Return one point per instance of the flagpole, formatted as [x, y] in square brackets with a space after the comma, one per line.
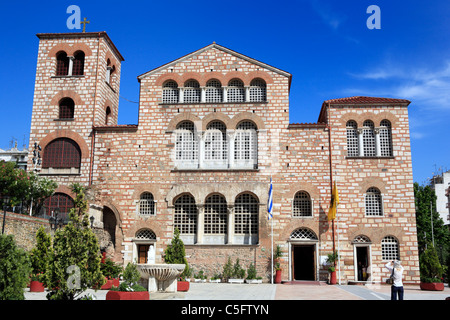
[270, 215]
[272, 250]
[338, 245]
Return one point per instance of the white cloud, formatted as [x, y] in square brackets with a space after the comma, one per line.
[428, 89]
[327, 14]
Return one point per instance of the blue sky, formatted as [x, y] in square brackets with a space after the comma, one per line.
[324, 44]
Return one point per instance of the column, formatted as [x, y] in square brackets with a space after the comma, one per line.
[200, 222]
[70, 65]
[360, 142]
[377, 142]
[201, 148]
[225, 98]
[231, 137]
[181, 95]
[203, 95]
[230, 233]
[247, 94]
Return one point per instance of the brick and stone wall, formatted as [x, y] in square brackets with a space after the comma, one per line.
[129, 160]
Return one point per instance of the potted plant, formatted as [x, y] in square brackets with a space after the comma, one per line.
[227, 270]
[200, 276]
[39, 257]
[216, 278]
[276, 259]
[238, 274]
[129, 289]
[331, 260]
[430, 270]
[175, 253]
[251, 275]
[112, 272]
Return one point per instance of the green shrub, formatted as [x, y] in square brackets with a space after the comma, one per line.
[40, 255]
[175, 253]
[131, 274]
[430, 268]
[238, 271]
[110, 269]
[15, 268]
[251, 272]
[227, 270]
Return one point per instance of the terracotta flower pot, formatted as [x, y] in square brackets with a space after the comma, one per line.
[278, 276]
[182, 286]
[36, 286]
[434, 286]
[109, 283]
[333, 277]
[128, 295]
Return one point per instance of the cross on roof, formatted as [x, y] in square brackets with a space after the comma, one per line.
[84, 24]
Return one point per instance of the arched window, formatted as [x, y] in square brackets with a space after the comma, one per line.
[110, 69]
[216, 141]
[301, 206]
[246, 142]
[385, 139]
[373, 202]
[215, 215]
[145, 234]
[185, 218]
[61, 201]
[303, 234]
[361, 239]
[147, 204]
[107, 115]
[192, 93]
[352, 139]
[369, 139]
[246, 214]
[235, 91]
[78, 64]
[62, 153]
[62, 64]
[186, 146]
[389, 248]
[214, 91]
[66, 108]
[170, 92]
[258, 90]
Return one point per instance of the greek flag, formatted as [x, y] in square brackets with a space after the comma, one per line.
[270, 201]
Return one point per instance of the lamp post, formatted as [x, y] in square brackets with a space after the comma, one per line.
[5, 204]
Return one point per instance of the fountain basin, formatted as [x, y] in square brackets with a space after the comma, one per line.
[161, 277]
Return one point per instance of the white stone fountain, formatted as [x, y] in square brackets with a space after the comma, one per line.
[161, 277]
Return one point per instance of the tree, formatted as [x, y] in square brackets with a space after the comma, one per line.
[175, 253]
[75, 260]
[430, 268]
[14, 182]
[41, 253]
[20, 185]
[15, 268]
[425, 203]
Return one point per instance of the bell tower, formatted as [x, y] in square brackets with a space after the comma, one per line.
[76, 89]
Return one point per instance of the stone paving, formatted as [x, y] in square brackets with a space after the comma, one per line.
[225, 291]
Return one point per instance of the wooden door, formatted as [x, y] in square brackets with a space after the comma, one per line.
[143, 250]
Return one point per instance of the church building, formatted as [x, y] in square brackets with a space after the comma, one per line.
[213, 131]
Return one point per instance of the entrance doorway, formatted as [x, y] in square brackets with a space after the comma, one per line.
[362, 263]
[303, 262]
[142, 251]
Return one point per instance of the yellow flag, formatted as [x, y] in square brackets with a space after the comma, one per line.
[334, 203]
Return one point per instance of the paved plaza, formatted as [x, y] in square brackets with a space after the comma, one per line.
[322, 291]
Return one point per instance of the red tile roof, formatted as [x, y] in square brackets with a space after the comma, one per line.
[362, 100]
